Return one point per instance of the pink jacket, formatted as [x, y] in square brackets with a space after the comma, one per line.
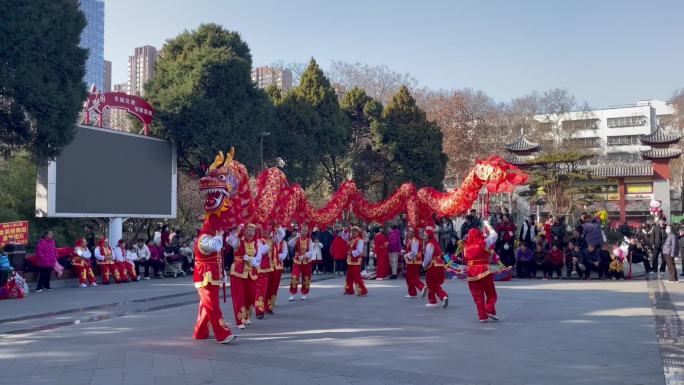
[394, 241]
[46, 253]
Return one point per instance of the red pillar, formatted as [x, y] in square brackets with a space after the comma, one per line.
[622, 202]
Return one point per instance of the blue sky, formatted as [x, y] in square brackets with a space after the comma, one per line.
[604, 52]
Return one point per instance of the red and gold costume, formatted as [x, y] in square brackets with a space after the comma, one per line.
[243, 277]
[120, 261]
[480, 279]
[278, 255]
[208, 277]
[264, 271]
[414, 260]
[433, 264]
[301, 265]
[81, 262]
[105, 261]
[354, 258]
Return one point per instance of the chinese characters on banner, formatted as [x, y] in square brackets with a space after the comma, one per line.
[15, 231]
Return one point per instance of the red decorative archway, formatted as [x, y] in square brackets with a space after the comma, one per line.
[97, 102]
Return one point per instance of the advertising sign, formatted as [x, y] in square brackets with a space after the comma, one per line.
[16, 231]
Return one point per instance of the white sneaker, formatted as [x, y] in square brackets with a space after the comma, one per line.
[93, 284]
[83, 285]
[303, 298]
[410, 296]
[137, 278]
[669, 281]
[431, 305]
[248, 321]
[292, 298]
[241, 327]
[229, 339]
[146, 278]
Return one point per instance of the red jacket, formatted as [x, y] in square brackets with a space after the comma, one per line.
[556, 257]
[338, 248]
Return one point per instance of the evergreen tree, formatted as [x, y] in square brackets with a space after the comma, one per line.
[411, 144]
[41, 75]
[205, 99]
[315, 131]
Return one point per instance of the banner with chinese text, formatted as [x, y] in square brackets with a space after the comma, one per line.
[15, 231]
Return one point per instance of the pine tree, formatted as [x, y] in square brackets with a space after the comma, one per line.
[41, 76]
[411, 144]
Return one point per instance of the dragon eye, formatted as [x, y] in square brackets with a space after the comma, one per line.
[222, 177]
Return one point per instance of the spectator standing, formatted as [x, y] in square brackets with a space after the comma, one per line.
[476, 219]
[381, 248]
[470, 223]
[670, 251]
[165, 236]
[446, 230]
[591, 231]
[326, 238]
[46, 257]
[606, 259]
[506, 240]
[394, 248]
[681, 244]
[557, 230]
[338, 250]
[625, 230]
[658, 237]
[577, 240]
[496, 217]
[528, 232]
[458, 226]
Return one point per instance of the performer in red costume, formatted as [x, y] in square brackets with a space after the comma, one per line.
[278, 254]
[354, 257]
[433, 263]
[413, 254]
[380, 247]
[120, 261]
[302, 263]
[105, 261]
[208, 277]
[243, 273]
[480, 279]
[81, 262]
[264, 271]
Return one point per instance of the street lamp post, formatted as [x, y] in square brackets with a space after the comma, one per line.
[263, 134]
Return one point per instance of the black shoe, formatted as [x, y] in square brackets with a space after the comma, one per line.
[395, 277]
[260, 316]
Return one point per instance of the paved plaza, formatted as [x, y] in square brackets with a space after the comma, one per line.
[552, 332]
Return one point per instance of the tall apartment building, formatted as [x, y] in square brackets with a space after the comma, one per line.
[266, 76]
[92, 38]
[119, 119]
[141, 69]
[107, 76]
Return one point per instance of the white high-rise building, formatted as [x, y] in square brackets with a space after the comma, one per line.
[266, 76]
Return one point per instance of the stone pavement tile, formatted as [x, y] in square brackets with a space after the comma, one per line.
[133, 380]
[111, 359]
[264, 375]
[294, 377]
[20, 368]
[331, 380]
[171, 380]
[75, 378]
[87, 364]
[5, 363]
[135, 359]
[194, 365]
[169, 364]
[51, 372]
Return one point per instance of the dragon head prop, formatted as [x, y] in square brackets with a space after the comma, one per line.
[225, 187]
[498, 175]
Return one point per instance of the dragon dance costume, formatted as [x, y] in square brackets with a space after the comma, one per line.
[414, 259]
[269, 272]
[208, 277]
[434, 270]
[81, 263]
[105, 261]
[301, 266]
[354, 257]
[480, 279]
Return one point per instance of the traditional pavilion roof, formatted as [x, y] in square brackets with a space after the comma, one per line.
[621, 169]
[659, 137]
[661, 153]
[519, 160]
[522, 145]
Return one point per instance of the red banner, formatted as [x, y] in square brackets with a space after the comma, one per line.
[14, 231]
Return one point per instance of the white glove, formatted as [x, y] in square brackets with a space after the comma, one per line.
[308, 254]
[256, 261]
[263, 249]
